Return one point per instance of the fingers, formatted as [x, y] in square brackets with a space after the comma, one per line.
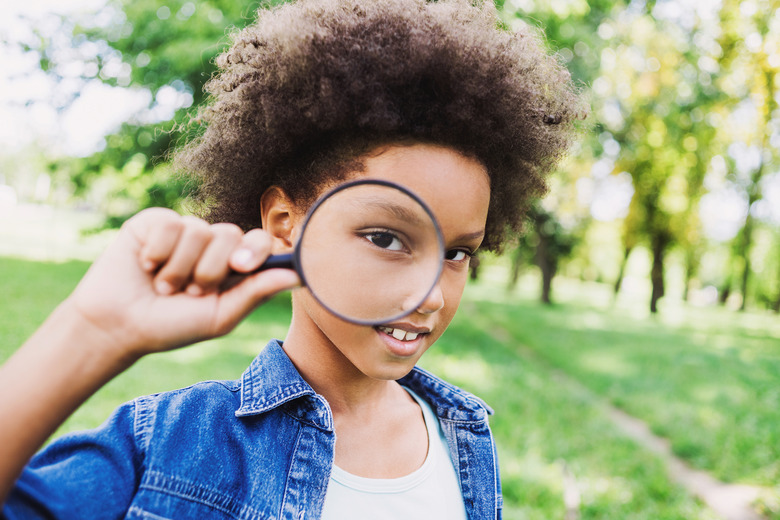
[187, 254]
[193, 238]
[212, 267]
[254, 248]
[257, 288]
[161, 241]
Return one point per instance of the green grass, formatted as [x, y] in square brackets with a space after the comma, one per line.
[32, 290]
[29, 292]
[707, 379]
[543, 424]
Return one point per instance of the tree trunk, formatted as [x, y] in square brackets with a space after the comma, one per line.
[776, 305]
[547, 264]
[474, 268]
[747, 239]
[754, 191]
[622, 272]
[514, 273]
[725, 292]
[659, 243]
[547, 277]
[691, 266]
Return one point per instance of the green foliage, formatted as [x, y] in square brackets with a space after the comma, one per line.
[172, 43]
[167, 49]
[666, 91]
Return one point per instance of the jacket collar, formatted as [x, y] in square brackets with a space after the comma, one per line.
[272, 381]
[448, 401]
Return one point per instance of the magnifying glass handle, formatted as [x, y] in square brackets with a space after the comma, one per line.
[284, 261]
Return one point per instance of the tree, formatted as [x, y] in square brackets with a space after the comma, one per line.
[572, 30]
[167, 49]
[545, 245]
[751, 45]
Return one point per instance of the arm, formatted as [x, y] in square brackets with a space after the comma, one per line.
[157, 287]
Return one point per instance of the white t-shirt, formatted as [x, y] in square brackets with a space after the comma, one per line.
[429, 493]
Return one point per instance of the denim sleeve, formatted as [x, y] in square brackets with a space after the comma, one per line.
[90, 474]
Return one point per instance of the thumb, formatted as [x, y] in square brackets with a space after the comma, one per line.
[238, 301]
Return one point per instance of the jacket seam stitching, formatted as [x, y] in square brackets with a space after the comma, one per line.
[289, 470]
[242, 514]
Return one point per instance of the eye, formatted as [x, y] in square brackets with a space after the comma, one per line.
[457, 255]
[385, 240]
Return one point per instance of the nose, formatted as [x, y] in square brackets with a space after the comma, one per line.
[433, 301]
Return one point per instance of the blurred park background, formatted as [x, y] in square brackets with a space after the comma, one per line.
[648, 280]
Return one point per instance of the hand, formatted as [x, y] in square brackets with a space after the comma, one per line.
[158, 286]
[161, 283]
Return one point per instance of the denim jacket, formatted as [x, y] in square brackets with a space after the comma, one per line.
[257, 448]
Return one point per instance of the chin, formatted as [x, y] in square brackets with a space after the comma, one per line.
[390, 373]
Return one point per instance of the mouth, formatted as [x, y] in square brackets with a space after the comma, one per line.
[402, 334]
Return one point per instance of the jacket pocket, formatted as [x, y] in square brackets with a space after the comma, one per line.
[151, 504]
[136, 513]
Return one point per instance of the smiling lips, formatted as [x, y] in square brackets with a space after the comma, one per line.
[399, 334]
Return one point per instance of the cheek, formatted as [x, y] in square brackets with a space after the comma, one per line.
[453, 285]
[321, 321]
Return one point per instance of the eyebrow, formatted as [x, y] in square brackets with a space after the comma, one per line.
[397, 210]
[407, 215]
[467, 237]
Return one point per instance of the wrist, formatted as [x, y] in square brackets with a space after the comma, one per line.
[94, 346]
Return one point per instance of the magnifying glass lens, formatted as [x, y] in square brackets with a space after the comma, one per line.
[370, 252]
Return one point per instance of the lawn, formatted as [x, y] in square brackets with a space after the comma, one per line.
[707, 379]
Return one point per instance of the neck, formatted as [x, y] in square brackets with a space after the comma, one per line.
[330, 373]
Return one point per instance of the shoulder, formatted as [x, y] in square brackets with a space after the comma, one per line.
[205, 396]
[177, 411]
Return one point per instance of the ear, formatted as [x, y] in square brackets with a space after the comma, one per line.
[280, 218]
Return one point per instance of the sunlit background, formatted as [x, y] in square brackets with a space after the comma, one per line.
[677, 166]
[656, 253]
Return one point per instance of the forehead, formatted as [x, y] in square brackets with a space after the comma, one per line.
[456, 187]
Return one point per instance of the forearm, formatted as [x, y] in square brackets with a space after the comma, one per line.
[57, 369]
[123, 309]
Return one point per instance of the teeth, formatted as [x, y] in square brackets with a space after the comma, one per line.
[400, 335]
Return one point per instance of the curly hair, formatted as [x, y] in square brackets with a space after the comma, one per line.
[311, 87]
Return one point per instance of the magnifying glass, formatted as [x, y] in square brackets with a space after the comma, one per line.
[370, 252]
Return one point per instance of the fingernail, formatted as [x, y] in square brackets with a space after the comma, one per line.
[194, 290]
[241, 257]
[164, 287]
[148, 265]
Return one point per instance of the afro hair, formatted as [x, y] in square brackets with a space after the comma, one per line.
[311, 87]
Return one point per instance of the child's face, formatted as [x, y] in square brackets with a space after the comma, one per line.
[458, 191]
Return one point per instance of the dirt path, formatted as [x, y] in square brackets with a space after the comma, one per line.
[729, 501]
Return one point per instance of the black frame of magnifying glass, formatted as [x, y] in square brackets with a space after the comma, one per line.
[293, 260]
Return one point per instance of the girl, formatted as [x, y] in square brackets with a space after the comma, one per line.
[335, 421]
